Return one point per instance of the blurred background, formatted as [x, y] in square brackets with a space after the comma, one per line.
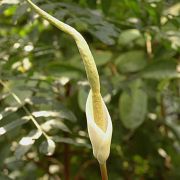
[136, 46]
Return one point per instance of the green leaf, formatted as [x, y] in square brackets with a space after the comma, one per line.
[20, 12]
[7, 111]
[65, 69]
[12, 125]
[106, 4]
[92, 3]
[3, 96]
[101, 57]
[4, 177]
[18, 88]
[38, 100]
[133, 106]
[54, 124]
[77, 142]
[9, 2]
[82, 97]
[63, 114]
[23, 149]
[47, 147]
[26, 143]
[105, 34]
[128, 36]
[64, 140]
[131, 61]
[4, 153]
[161, 70]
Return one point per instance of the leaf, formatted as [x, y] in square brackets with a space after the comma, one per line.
[92, 3]
[4, 153]
[9, 2]
[101, 57]
[131, 61]
[78, 142]
[20, 12]
[38, 100]
[96, 23]
[82, 97]
[128, 36]
[35, 134]
[133, 106]
[47, 147]
[14, 124]
[3, 96]
[4, 177]
[64, 140]
[18, 88]
[63, 114]
[7, 111]
[23, 149]
[54, 124]
[26, 143]
[161, 70]
[106, 4]
[104, 34]
[65, 69]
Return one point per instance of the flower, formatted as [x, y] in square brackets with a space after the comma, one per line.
[100, 140]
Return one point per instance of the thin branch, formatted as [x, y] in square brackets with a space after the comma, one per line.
[66, 160]
[25, 109]
[148, 44]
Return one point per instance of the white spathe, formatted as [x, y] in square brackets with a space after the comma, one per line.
[100, 140]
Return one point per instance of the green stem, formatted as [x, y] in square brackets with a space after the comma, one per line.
[104, 174]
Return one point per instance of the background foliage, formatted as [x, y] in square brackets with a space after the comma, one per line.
[136, 45]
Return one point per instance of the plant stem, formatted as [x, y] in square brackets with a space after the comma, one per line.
[66, 160]
[148, 45]
[104, 174]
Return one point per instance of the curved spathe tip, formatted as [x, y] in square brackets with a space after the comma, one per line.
[100, 140]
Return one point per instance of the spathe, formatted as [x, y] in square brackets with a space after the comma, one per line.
[100, 140]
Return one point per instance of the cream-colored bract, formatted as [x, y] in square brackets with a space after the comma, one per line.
[100, 140]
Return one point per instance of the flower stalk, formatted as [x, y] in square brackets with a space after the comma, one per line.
[103, 169]
[98, 118]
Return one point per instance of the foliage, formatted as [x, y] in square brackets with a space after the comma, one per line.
[136, 48]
